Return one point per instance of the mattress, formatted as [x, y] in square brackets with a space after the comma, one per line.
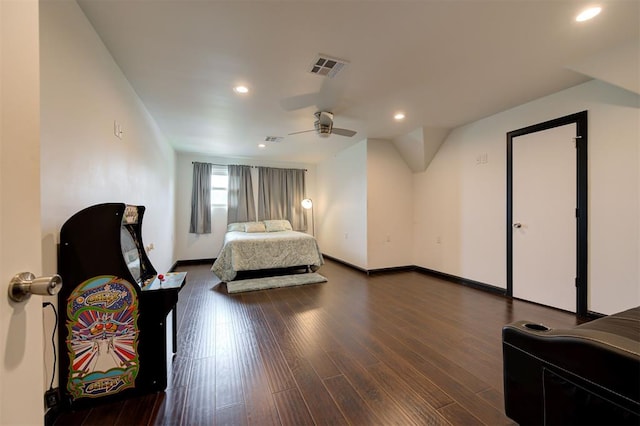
[252, 251]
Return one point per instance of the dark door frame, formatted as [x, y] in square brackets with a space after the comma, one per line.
[580, 119]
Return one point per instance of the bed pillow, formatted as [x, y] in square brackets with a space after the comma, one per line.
[254, 227]
[238, 226]
[277, 225]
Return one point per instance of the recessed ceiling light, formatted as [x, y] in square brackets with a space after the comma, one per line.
[399, 116]
[241, 89]
[589, 13]
[261, 145]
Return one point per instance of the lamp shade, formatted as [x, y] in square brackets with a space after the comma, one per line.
[307, 203]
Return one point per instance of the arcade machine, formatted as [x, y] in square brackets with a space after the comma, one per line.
[113, 308]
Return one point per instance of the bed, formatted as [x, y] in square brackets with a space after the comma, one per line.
[269, 244]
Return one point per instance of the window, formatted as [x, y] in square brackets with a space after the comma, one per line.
[219, 186]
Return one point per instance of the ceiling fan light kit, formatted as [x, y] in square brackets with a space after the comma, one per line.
[323, 123]
[323, 126]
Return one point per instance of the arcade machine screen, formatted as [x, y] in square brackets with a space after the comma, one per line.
[130, 254]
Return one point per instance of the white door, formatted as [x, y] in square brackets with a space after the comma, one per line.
[544, 218]
[21, 353]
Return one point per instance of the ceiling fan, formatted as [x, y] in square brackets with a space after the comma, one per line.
[324, 126]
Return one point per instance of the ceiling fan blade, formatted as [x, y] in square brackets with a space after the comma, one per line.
[332, 91]
[343, 132]
[326, 99]
[293, 103]
[329, 95]
[303, 131]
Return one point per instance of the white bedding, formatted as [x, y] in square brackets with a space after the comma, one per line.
[250, 251]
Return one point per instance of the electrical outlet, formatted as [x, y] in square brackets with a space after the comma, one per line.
[52, 398]
[117, 129]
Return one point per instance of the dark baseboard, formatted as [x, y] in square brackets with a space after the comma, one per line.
[371, 271]
[447, 277]
[407, 268]
[595, 315]
[464, 281]
[589, 316]
[193, 262]
[451, 278]
[335, 259]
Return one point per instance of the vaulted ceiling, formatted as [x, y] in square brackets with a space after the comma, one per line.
[444, 63]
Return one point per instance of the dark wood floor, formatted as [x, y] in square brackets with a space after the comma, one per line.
[390, 349]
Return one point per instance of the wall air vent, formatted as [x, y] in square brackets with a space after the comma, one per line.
[273, 138]
[327, 66]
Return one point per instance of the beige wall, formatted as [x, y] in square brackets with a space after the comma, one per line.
[365, 214]
[83, 162]
[389, 206]
[341, 207]
[21, 369]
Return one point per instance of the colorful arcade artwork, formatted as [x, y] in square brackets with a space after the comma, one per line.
[102, 322]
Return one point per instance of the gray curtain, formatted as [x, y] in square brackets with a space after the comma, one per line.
[201, 199]
[280, 192]
[240, 204]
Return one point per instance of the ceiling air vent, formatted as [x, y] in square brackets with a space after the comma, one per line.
[273, 138]
[327, 66]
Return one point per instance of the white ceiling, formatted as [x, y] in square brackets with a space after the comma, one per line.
[443, 62]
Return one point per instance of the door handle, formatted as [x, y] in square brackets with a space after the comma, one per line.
[517, 225]
[24, 284]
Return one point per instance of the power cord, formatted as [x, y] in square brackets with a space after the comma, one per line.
[53, 342]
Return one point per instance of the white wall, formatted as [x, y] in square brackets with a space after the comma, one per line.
[365, 206]
[460, 205]
[341, 207]
[207, 246]
[83, 163]
[614, 202]
[389, 206]
[21, 367]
